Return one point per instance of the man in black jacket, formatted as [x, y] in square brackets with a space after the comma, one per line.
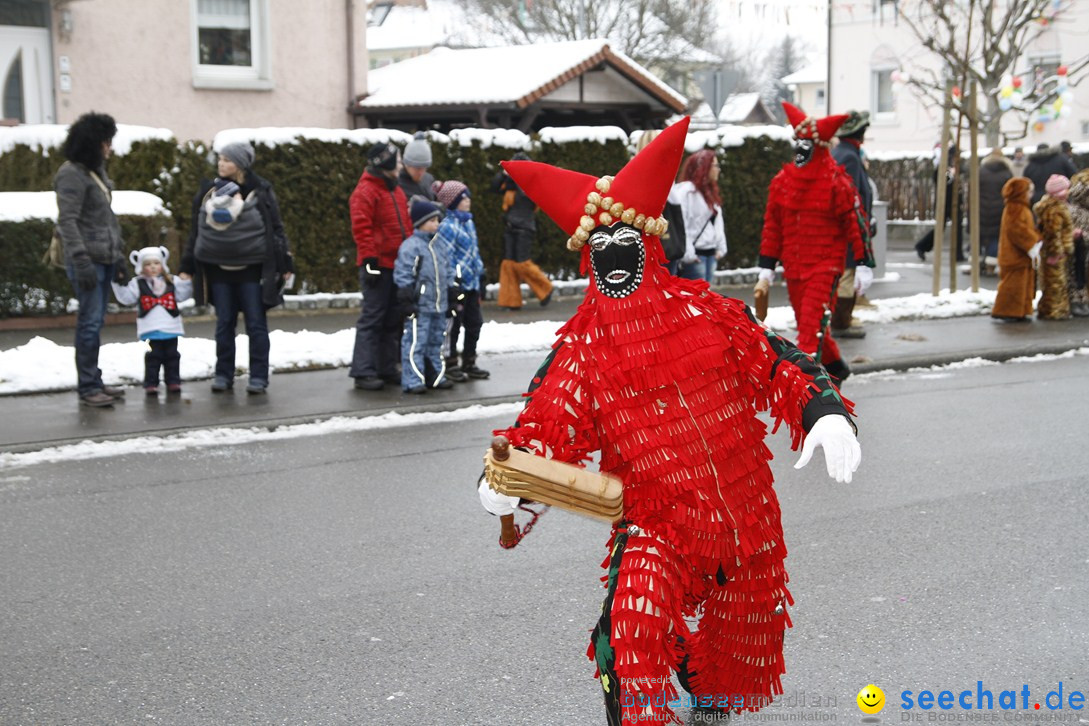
[848, 154]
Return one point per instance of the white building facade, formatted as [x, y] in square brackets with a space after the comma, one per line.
[871, 47]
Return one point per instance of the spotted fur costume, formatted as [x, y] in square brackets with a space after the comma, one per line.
[811, 222]
[665, 379]
[1057, 232]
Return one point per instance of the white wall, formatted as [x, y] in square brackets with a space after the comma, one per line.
[862, 42]
[134, 60]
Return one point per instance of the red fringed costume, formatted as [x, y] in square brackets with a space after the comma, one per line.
[665, 378]
[811, 223]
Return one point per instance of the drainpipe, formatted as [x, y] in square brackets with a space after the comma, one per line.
[349, 14]
[828, 67]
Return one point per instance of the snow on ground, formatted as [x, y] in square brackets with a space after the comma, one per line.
[202, 438]
[42, 365]
[946, 369]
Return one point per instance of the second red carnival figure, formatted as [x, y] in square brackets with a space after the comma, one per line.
[665, 379]
[812, 221]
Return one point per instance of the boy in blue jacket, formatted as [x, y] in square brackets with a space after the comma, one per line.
[457, 232]
[423, 275]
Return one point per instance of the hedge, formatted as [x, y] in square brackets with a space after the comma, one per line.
[30, 287]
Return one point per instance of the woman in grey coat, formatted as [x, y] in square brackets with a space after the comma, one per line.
[91, 237]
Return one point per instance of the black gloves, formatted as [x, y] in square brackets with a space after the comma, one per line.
[372, 274]
[121, 275]
[86, 275]
[455, 297]
[407, 303]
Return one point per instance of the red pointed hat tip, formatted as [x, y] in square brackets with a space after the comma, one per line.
[807, 127]
[636, 195]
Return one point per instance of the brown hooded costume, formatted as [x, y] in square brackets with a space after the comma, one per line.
[1018, 235]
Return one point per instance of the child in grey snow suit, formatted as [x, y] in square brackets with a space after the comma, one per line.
[423, 275]
[157, 294]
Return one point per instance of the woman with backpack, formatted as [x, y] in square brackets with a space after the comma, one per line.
[700, 202]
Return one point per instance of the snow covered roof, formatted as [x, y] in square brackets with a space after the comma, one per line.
[744, 107]
[815, 73]
[516, 74]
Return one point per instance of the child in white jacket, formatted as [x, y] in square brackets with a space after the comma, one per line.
[157, 294]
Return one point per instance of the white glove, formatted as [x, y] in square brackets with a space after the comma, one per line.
[766, 274]
[1034, 253]
[496, 503]
[863, 279]
[842, 453]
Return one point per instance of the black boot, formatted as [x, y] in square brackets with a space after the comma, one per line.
[471, 370]
[453, 371]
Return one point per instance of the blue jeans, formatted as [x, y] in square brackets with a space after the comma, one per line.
[690, 270]
[229, 299]
[706, 268]
[92, 314]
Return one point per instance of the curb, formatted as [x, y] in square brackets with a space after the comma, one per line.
[270, 424]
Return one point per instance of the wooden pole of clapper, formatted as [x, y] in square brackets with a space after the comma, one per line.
[939, 192]
[973, 183]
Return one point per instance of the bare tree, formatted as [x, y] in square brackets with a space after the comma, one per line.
[659, 33]
[781, 60]
[984, 41]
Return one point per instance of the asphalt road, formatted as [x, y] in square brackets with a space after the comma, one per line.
[354, 578]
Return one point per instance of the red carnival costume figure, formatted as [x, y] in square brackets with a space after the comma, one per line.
[665, 379]
[811, 222]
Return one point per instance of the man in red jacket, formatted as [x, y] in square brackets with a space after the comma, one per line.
[380, 223]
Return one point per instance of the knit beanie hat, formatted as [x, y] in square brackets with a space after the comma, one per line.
[1057, 186]
[382, 156]
[418, 151]
[423, 210]
[241, 153]
[450, 193]
[139, 257]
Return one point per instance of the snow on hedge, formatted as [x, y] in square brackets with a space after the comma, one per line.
[51, 136]
[503, 138]
[21, 206]
[571, 134]
[280, 135]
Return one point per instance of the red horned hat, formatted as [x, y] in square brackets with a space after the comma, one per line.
[636, 195]
[816, 130]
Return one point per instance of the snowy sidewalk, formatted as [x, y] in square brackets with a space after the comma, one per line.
[34, 421]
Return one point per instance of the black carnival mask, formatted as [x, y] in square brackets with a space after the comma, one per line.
[617, 256]
[803, 151]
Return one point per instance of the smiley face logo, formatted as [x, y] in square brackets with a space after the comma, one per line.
[871, 699]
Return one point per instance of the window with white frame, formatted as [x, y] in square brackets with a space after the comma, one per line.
[230, 43]
[1041, 67]
[883, 101]
[820, 100]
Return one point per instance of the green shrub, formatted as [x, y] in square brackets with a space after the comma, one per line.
[314, 180]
